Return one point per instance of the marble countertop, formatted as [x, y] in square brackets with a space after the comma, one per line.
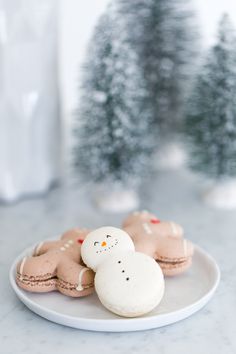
[173, 195]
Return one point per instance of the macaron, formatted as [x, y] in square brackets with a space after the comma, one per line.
[104, 242]
[174, 256]
[57, 266]
[162, 240]
[129, 284]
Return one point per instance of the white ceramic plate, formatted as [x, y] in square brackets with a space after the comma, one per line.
[184, 295]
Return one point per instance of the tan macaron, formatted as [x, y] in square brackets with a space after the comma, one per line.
[162, 240]
[57, 265]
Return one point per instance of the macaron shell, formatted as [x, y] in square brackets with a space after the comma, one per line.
[169, 247]
[104, 242]
[129, 284]
[163, 229]
[37, 274]
[76, 234]
[38, 267]
[145, 247]
[173, 249]
[70, 281]
[70, 270]
[138, 216]
[44, 247]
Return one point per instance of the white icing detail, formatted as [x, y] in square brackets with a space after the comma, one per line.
[147, 228]
[62, 249]
[185, 248]
[38, 248]
[22, 267]
[80, 286]
[67, 245]
[70, 242]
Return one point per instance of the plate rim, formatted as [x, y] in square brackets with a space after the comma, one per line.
[122, 324]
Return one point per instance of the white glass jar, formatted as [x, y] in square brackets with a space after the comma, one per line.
[29, 100]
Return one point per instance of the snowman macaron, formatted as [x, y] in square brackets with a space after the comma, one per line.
[127, 283]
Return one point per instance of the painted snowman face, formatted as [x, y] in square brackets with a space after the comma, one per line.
[102, 242]
[129, 283]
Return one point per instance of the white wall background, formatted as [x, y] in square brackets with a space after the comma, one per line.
[76, 24]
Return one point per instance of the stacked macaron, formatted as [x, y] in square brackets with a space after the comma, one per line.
[124, 266]
[57, 265]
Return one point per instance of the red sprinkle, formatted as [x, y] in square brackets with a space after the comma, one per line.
[79, 240]
[155, 221]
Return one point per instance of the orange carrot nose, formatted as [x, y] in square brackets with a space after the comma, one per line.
[104, 244]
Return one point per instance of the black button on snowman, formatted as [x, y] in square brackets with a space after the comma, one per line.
[127, 283]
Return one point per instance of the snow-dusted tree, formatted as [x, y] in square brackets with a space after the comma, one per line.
[113, 126]
[211, 112]
[164, 34]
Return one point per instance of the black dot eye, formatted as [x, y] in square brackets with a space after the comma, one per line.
[95, 243]
[119, 261]
[108, 236]
[123, 271]
[127, 279]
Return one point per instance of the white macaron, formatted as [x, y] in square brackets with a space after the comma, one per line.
[129, 284]
[102, 242]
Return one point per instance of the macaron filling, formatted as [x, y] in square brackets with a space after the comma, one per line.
[70, 286]
[174, 263]
[49, 280]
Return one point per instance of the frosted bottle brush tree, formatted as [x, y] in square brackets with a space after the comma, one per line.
[211, 119]
[164, 34]
[112, 136]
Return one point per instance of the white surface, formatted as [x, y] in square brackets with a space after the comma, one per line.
[183, 296]
[102, 242]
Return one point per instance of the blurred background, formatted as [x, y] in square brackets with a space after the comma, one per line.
[77, 21]
[43, 47]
